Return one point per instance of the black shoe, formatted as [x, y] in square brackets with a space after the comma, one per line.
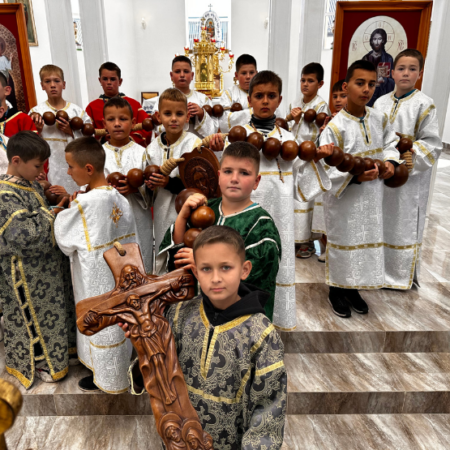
[87, 384]
[339, 304]
[356, 301]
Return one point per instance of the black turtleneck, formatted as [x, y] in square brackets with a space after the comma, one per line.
[263, 124]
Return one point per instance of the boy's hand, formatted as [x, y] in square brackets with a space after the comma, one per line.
[58, 190]
[324, 151]
[369, 175]
[157, 180]
[125, 329]
[184, 258]
[38, 121]
[389, 172]
[296, 114]
[64, 126]
[195, 110]
[193, 202]
[216, 144]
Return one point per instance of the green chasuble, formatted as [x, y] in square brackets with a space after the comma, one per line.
[37, 294]
[262, 245]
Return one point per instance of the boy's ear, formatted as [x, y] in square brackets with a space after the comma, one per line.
[246, 269]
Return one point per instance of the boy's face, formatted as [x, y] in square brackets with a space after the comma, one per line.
[79, 174]
[219, 270]
[339, 100]
[53, 85]
[245, 75]
[110, 82]
[118, 122]
[28, 170]
[181, 75]
[173, 116]
[360, 87]
[309, 84]
[238, 177]
[264, 100]
[407, 72]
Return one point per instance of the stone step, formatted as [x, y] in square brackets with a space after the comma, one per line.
[302, 432]
[368, 383]
[411, 321]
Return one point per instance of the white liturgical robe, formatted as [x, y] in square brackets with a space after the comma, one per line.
[87, 229]
[123, 159]
[164, 201]
[275, 194]
[414, 116]
[358, 256]
[58, 140]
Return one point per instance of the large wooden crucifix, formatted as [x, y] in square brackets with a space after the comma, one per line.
[139, 300]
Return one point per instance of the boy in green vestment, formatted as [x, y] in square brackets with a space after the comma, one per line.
[238, 178]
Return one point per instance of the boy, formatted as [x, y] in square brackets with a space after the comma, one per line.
[278, 186]
[93, 222]
[357, 256]
[238, 93]
[237, 385]
[122, 155]
[412, 114]
[310, 83]
[201, 123]
[238, 178]
[13, 120]
[110, 78]
[172, 143]
[58, 135]
[37, 294]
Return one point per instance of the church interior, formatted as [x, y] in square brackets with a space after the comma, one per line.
[374, 381]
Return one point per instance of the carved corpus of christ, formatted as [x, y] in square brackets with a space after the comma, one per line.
[139, 300]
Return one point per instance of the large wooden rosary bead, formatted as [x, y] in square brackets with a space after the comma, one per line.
[61, 114]
[404, 145]
[114, 178]
[190, 235]
[399, 178]
[237, 134]
[347, 163]
[208, 109]
[183, 196]
[289, 150]
[359, 166]
[369, 164]
[236, 107]
[271, 148]
[217, 110]
[203, 217]
[336, 157]
[381, 166]
[307, 150]
[135, 178]
[88, 129]
[49, 118]
[256, 139]
[310, 116]
[282, 123]
[320, 119]
[76, 123]
[151, 170]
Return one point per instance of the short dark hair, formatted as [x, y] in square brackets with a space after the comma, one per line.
[113, 67]
[242, 150]
[223, 235]
[27, 145]
[117, 102]
[244, 60]
[337, 86]
[359, 64]
[181, 58]
[314, 68]
[265, 77]
[87, 150]
[413, 53]
[173, 95]
[3, 80]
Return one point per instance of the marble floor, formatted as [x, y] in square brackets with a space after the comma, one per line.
[379, 381]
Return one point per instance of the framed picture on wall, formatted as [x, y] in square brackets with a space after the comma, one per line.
[29, 20]
[378, 31]
[15, 61]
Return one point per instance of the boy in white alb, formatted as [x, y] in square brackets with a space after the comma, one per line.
[122, 155]
[94, 221]
[200, 122]
[413, 115]
[59, 134]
